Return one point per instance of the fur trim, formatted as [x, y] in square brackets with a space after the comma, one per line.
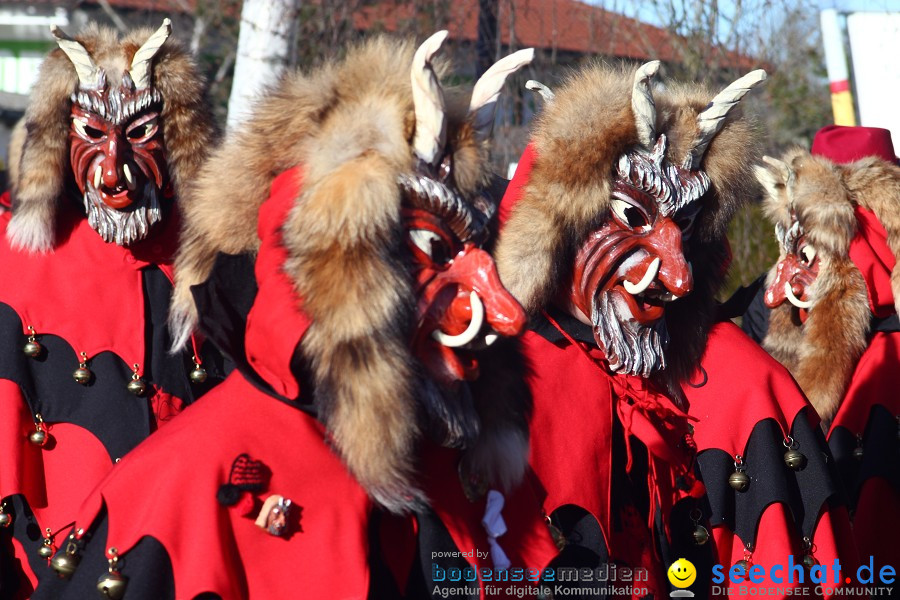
[578, 139]
[188, 126]
[350, 125]
[823, 352]
[16, 145]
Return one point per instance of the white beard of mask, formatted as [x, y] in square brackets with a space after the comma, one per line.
[123, 227]
[630, 348]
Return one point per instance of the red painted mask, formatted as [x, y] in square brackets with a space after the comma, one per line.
[462, 306]
[629, 267]
[118, 158]
[796, 272]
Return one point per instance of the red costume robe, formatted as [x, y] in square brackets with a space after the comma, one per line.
[178, 541]
[110, 303]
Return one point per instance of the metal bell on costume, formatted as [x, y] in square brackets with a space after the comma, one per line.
[65, 563]
[38, 437]
[743, 564]
[793, 458]
[46, 550]
[32, 347]
[739, 480]
[137, 385]
[112, 584]
[809, 561]
[82, 374]
[5, 518]
[700, 534]
[198, 374]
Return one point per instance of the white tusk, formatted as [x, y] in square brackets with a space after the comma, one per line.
[97, 175]
[644, 283]
[128, 178]
[455, 341]
[490, 339]
[794, 299]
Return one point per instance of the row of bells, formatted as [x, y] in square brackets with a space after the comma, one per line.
[740, 481]
[83, 375]
[110, 585]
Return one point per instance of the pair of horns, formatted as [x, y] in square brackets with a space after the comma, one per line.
[89, 74]
[428, 97]
[709, 122]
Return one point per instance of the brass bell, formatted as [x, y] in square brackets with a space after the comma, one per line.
[65, 563]
[198, 375]
[743, 564]
[701, 535]
[82, 374]
[809, 562]
[46, 549]
[5, 519]
[38, 438]
[858, 453]
[739, 481]
[137, 386]
[32, 347]
[112, 585]
[794, 459]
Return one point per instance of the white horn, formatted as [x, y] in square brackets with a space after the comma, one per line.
[712, 119]
[487, 89]
[644, 283]
[455, 341]
[536, 86]
[88, 72]
[794, 299]
[140, 64]
[428, 99]
[642, 104]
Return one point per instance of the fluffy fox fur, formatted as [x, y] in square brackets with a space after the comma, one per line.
[44, 170]
[822, 353]
[350, 125]
[578, 138]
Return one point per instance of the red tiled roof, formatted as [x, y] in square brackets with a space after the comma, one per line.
[563, 25]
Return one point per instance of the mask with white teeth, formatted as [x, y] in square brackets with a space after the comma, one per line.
[633, 263]
[116, 144]
[796, 271]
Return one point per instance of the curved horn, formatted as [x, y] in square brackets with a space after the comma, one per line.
[642, 104]
[428, 99]
[483, 105]
[140, 64]
[711, 120]
[88, 72]
[536, 86]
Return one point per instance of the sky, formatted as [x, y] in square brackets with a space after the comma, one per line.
[644, 10]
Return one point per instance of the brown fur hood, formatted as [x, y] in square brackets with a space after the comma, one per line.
[350, 125]
[578, 140]
[43, 168]
[822, 353]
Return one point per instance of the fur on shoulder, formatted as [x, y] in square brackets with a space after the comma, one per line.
[44, 170]
[822, 353]
[578, 139]
[350, 126]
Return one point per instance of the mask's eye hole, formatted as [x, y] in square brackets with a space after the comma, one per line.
[432, 245]
[143, 130]
[808, 254]
[86, 130]
[629, 214]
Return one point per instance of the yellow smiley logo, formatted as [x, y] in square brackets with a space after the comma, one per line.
[682, 573]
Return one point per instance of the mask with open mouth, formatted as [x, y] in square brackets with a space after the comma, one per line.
[629, 267]
[796, 272]
[116, 146]
[461, 305]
